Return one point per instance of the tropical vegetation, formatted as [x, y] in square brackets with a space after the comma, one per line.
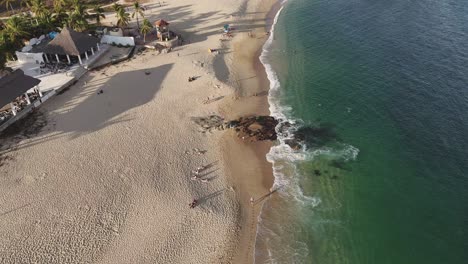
[8, 4]
[47, 15]
[145, 28]
[98, 14]
[122, 17]
[138, 10]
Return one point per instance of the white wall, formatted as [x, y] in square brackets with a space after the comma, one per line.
[106, 39]
[29, 57]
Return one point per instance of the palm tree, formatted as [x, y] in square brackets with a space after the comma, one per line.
[7, 48]
[60, 17]
[77, 23]
[117, 7]
[138, 11]
[98, 14]
[8, 4]
[46, 23]
[145, 28]
[3, 58]
[15, 28]
[78, 17]
[122, 18]
[38, 7]
[60, 5]
[79, 9]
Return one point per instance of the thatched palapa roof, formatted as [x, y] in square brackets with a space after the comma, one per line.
[14, 85]
[70, 42]
[161, 23]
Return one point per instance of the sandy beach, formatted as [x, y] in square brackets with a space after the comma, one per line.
[105, 178]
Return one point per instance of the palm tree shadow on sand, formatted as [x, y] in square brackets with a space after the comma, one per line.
[89, 111]
[122, 92]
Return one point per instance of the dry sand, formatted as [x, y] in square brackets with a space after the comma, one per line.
[107, 179]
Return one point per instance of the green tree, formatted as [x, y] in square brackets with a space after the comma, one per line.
[78, 17]
[145, 28]
[117, 7]
[138, 10]
[60, 18]
[122, 18]
[60, 5]
[24, 3]
[98, 14]
[8, 4]
[45, 24]
[15, 29]
[5, 51]
[39, 8]
[2, 57]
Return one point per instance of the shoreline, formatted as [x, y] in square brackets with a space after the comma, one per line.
[259, 181]
[115, 168]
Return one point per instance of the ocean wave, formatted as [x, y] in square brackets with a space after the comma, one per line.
[285, 160]
[340, 151]
[283, 157]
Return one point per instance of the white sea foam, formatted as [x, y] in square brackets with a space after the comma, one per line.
[285, 159]
[282, 156]
[341, 151]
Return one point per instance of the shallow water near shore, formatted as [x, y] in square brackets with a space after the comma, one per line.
[381, 90]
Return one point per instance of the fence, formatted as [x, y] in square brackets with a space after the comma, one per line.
[124, 41]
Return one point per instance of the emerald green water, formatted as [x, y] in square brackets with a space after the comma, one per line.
[385, 180]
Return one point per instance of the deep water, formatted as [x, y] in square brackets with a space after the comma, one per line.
[380, 89]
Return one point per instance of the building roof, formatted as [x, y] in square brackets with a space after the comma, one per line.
[70, 42]
[15, 84]
[161, 23]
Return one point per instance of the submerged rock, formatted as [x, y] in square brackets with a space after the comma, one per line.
[294, 143]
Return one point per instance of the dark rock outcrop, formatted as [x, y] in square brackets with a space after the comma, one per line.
[256, 128]
[252, 128]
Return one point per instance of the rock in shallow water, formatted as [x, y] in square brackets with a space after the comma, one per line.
[256, 128]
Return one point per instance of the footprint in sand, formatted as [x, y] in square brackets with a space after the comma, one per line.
[29, 179]
[123, 177]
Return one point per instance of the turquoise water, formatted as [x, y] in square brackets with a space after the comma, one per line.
[381, 91]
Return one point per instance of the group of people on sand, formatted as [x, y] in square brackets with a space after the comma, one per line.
[196, 176]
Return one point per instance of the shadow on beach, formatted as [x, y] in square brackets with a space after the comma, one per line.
[82, 110]
[210, 196]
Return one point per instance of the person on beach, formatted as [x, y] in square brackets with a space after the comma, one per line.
[193, 203]
[199, 169]
[252, 200]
